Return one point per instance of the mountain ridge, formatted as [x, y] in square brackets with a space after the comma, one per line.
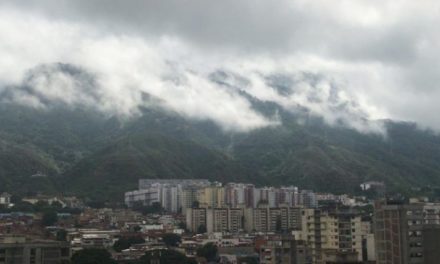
[78, 146]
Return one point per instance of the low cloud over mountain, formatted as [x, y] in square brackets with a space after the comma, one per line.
[348, 62]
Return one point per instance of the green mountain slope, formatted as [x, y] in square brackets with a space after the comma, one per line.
[17, 166]
[339, 159]
[66, 135]
[94, 155]
[117, 168]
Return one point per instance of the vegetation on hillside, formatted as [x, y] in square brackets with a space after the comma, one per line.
[79, 152]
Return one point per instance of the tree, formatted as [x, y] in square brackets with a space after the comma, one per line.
[23, 207]
[92, 256]
[56, 204]
[137, 228]
[41, 206]
[171, 240]
[249, 260]
[154, 208]
[50, 217]
[15, 199]
[165, 256]
[126, 242]
[97, 204]
[62, 235]
[209, 251]
[182, 225]
[201, 229]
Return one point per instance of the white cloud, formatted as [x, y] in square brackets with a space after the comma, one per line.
[382, 56]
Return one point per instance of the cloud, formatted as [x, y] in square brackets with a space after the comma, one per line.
[124, 69]
[347, 61]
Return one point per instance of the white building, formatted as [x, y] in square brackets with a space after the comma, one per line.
[170, 193]
[146, 197]
[5, 199]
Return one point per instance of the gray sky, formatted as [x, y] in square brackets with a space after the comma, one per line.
[382, 55]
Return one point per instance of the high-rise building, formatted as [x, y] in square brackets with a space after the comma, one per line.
[236, 219]
[258, 219]
[212, 196]
[218, 220]
[173, 194]
[170, 197]
[215, 219]
[403, 232]
[145, 197]
[235, 194]
[196, 219]
[147, 183]
[263, 219]
[273, 219]
[288, 195]
[308, 199]
[268, 195]
[333, 236]
[249, 195]
[188, 197]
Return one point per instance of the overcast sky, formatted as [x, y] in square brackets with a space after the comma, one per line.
[383, 56]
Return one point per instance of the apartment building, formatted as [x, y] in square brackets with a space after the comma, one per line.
[238, 194]
[20, 250]
[145, 197]
[147, 183]
[212, 196]
[404, 232]
[176, 195]
[333, 236]
[277, 219]
[215, 219]
[236, 219]
[284, 249]
[173, 194]
[308, 199]
[188, 197]
[218, 220]
[196, 219]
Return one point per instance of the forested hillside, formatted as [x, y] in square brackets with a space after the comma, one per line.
[89, 154]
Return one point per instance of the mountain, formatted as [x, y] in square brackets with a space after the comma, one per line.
[85, 152]
[118, 166]
[338, 160]
[110, 160]
[25, 169]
